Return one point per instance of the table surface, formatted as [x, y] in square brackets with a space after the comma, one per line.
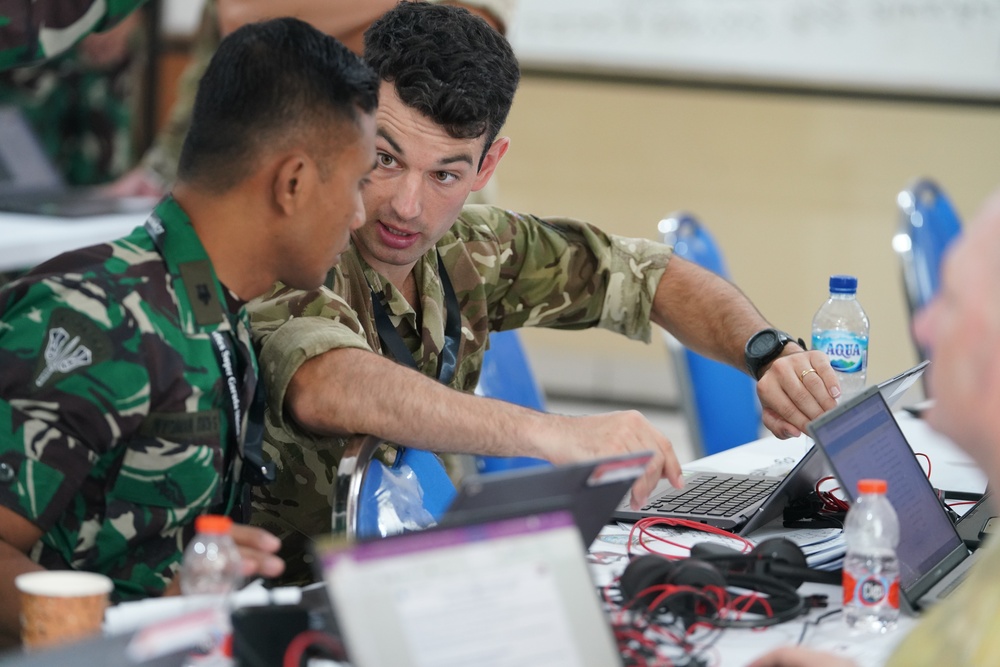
[27, 240]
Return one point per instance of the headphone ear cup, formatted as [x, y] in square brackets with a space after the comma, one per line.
[641, 573]
[781, 558]
[697, 574]
[686, 605]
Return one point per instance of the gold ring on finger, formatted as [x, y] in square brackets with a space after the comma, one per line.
[803, 374]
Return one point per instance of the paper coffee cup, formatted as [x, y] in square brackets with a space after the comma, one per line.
[61, 605]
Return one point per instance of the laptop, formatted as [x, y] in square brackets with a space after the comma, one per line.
[589, 490]
[31, 183]
[743, 503]
[979, 521]
[504, 593]
[861, 439]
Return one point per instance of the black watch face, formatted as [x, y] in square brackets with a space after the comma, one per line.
[763, 343]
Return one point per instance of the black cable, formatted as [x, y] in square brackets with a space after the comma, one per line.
[815, 621]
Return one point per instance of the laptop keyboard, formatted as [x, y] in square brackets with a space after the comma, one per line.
[712, 495]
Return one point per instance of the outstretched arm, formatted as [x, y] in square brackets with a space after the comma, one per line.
[350, 390]
[712, 317]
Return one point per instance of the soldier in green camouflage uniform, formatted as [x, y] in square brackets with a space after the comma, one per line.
[113, 434]
[447, 85]
[128, 373]
[23, 39]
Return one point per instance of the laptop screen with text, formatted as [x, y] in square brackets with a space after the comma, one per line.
[862, 440]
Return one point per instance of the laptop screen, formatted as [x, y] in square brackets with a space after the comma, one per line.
[862, 440]
[505, 593]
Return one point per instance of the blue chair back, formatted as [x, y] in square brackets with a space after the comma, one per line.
[928, 226]
[720, 402]
[372, 499]
[506, 375]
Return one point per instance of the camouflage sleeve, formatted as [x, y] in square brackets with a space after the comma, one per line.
[32, 30]
[66, 397]
[564, 274]
[291, 326]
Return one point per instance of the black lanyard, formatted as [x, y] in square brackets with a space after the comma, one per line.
[249, 446]
[392, 341]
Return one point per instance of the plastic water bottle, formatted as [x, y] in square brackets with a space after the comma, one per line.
[211, 564]
[212, 570]
[871, 568]
[840, 330]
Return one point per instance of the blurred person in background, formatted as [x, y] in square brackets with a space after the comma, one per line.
[346, 20]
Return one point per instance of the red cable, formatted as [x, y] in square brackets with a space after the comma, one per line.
[643, 526]
[303, 641]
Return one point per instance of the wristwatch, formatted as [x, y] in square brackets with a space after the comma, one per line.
[764, 347]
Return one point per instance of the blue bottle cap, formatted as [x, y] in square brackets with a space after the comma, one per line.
[843, 284]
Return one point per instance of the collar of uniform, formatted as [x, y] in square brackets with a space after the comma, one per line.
[424, 273]
[200, 295]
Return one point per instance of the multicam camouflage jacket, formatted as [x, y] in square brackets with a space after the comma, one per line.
[114, 431]
[33, 30]
[508, 271]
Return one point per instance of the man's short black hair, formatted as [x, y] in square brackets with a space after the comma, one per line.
[268, 83]
[448, 64]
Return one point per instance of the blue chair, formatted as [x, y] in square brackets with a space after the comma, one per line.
[928, 225]
[506, 375]
[373, 499]
[720, 403]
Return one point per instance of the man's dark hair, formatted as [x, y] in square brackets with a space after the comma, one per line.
[448, 64]
[269, 82]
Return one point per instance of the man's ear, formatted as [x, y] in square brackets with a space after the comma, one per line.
[490, 162]
[292, 179]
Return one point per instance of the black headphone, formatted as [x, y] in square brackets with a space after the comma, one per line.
[694, 589]
[776, 557]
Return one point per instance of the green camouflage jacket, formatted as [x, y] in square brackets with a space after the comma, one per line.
[113, 424]
[508, 271]
[33, 30]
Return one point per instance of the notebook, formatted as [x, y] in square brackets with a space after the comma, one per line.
[30, 182]
[504, 593]
[589, 490]
[861, 439]
[744, 503]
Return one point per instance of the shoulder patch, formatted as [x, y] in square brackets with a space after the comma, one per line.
[73, 341]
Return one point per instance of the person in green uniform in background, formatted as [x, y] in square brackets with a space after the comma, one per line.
[35, 30]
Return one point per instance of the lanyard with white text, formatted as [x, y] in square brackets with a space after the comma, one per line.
[250, 466]
[452, 331]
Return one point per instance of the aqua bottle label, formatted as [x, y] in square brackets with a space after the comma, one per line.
[847, 351]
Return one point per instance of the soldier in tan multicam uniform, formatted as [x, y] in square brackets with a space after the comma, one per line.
[447, 84]
[128, 377]
[961, 328]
